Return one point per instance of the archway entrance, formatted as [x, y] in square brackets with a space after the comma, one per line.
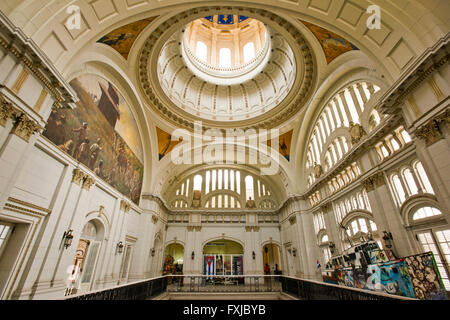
[173, 259]
[223, 258]
[272, 259]
[85, 259]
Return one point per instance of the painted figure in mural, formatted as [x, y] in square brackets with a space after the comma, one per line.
[83, 151]
[250, 204]
[82, 134]
[112, 41]
[99, 169]
[66, 147]
[94, 150]
[284, 149]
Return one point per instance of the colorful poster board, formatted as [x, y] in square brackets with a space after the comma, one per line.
[414, 277]
[425, 276]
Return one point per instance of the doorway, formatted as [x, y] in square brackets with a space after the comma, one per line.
[85, 260]
[272, 259]
[173, 259]
[223, 258]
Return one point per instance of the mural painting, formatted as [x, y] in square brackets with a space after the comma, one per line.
[101, 133]
[285, 144]
[333, 44]
[123, 38]
[165, 143]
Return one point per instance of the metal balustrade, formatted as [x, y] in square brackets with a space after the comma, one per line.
[299, 288]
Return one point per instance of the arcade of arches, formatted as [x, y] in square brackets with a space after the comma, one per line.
[115, 142]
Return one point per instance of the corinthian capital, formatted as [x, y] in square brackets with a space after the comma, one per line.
[25, 127]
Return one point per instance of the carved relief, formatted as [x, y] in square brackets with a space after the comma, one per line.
[125, 206]
[356, 132]
[6, 111]
[429, 132]
[88, 182]
[318, 171]
[293, 220]
[78, 176]
[154, 219]
[374, 181]
[250, 204]
[196, 200]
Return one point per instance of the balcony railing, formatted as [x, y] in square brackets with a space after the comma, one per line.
[299, 288]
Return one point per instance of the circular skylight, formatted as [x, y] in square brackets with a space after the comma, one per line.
[226, 49]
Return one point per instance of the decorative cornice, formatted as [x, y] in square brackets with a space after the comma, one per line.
[432, 60]
[15, 42]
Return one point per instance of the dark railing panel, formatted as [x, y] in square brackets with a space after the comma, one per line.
[300, 288]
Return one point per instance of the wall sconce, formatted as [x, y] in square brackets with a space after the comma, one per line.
[68, 237]
[120, 247]
[192, 255]
[152, 252]
[294, 252]
[388, 239]
[254, 255]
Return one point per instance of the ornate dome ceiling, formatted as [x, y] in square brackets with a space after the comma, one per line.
[261, 91]
[227, 94]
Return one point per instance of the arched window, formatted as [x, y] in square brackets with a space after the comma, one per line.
[198, 182]
[249, 190]
[225, 58]
[201, 51]
[425, 212]
[249, 52]
[401, 196]
[407, 174]
[426, 185]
